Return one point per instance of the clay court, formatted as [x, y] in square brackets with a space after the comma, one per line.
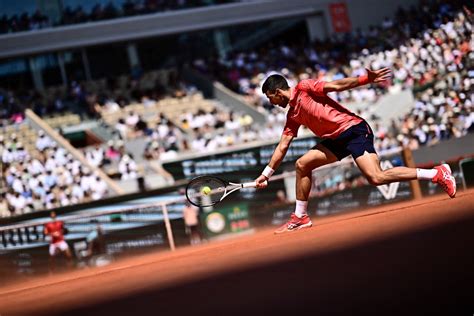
[413, 257]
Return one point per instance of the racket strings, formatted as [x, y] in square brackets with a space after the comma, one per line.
[205, 191]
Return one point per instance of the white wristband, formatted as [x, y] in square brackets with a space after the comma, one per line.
[268, 172]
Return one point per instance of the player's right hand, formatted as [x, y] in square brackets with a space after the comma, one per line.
[262, 182]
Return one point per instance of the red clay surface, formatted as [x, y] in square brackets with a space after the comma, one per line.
[411, 258]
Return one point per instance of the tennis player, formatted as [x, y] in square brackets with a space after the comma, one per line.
[343, 134]
[55, 228]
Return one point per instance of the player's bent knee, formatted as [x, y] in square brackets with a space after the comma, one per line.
[300, 165]
[376, 179]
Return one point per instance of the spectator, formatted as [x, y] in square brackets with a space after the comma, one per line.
[4, 210]
[122, 128]
[127, 167]
[18, 203]
[191, 220]
[100, 189]
[96, 241]
[43, 142]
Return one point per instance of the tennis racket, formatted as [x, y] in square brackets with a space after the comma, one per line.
[208, 190]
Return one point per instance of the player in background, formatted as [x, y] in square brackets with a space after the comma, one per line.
[343, 133]
[55, 229]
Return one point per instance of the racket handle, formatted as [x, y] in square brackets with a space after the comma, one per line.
[252, 184]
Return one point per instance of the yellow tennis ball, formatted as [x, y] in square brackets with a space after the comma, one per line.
[206, 190]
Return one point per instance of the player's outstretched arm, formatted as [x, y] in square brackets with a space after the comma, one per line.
[376, 76]
[277, 158]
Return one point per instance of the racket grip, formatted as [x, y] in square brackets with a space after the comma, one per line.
[252, 184]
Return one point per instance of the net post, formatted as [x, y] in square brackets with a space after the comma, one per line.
[169, 232]
[410, 163]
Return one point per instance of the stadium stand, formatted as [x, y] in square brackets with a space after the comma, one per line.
[155, 115]
[109, 109]
[99, 12]
[432, 56]
[66, 119]
[37, 174]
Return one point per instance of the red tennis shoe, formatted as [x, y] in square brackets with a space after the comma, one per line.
[445, 179]
[295, 223]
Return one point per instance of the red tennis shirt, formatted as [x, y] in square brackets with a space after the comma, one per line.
[56, 230]
[311, 107]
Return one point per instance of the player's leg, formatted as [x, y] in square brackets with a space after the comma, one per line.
[318, 156]
[369, 165]
[51, 260]
[64, 247]
[68, 253]
[195, 238]
[361, 146]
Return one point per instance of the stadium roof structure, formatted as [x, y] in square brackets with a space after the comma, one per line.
[152, 25]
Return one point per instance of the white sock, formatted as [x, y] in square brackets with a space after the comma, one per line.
[426, 174]
[301, 207]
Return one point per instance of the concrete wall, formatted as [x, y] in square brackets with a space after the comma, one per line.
[364, 13]
[450, 149]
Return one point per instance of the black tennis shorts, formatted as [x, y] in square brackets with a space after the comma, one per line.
[354, 141]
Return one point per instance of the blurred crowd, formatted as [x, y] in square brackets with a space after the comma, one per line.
[37, 20]
[439, 66]
[23, 22]
[199, 131]
[399, 43]
[429, 49]
[13, 104]
[45, 178]
[198, 124]
[113, 156]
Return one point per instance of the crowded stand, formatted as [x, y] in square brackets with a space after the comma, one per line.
[171, 115]
[24, 22]
[52, 103]
[422, 51]
[173, 125]
[99, 12]
[429, 54]
[42, 175]
[443, 63]
[114, 160]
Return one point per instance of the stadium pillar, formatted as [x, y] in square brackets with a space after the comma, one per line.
[36, 73]
[222, 42]
[316, 27]
[62, 68]
[133, 58]
[169, 231]
[85, 63]
[51, 8]
[410, 162]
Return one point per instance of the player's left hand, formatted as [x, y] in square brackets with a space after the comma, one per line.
[380, 75]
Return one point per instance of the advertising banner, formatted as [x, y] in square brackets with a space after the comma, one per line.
[244, 161]
[225, 220]
[341, 22]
